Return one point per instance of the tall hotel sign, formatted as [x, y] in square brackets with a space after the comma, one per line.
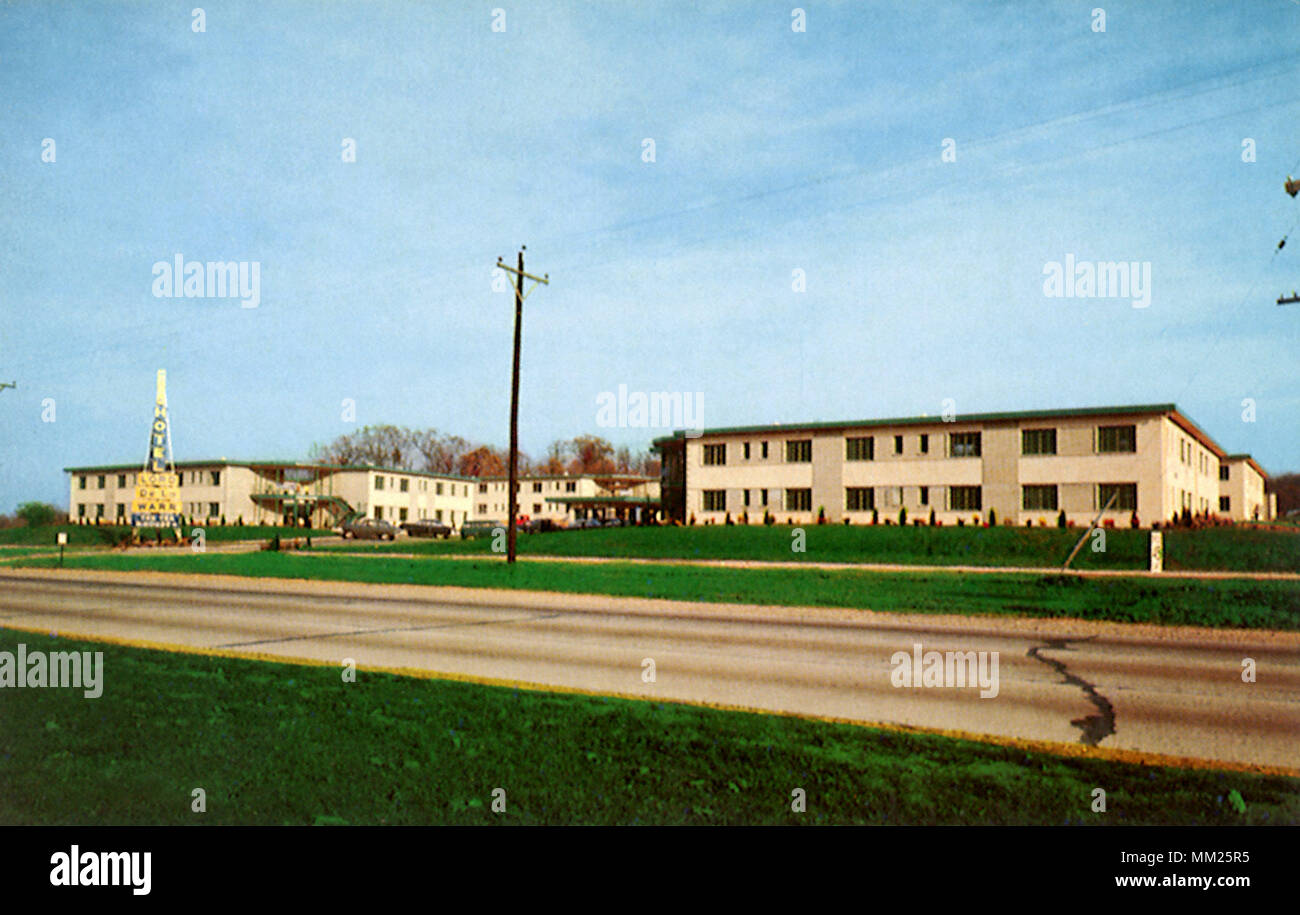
[157, 501]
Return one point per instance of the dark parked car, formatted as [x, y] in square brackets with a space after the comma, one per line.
[539, 526]
[582, 523]
[368, 529]
[427, 527]
[471, 529]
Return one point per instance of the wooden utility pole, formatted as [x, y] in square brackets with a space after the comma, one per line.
[520, 295]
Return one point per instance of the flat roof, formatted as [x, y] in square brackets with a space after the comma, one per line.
[1143, 409]
[296, 465]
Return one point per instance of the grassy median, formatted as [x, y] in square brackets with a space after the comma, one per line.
[1232, 549]
[1227, 603]
[273, 743]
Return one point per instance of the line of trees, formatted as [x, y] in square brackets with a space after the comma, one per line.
[435, 452]
[34, 514]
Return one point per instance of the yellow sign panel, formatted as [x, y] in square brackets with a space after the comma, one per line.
[157, 499]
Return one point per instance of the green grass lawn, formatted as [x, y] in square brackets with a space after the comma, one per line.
[1225, 603]
[98, 535]
[294, 744]
[1211, 549]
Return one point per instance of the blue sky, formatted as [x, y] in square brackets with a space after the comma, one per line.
[775, 151]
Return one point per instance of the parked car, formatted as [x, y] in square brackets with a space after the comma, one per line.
[539, 526]
[471, 529]
[582, 523]
[613, 522]
[368, 529]
[427, 527]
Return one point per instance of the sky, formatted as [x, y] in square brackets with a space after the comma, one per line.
[848, 221]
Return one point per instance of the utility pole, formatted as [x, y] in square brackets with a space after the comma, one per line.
[513, 483]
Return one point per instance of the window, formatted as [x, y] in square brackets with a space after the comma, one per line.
[798, 500]
[81, 509]
[1223, 471]
[1038, 441]
[213, 509]
[537, 487]
[571, 486]
[964, 498]
[401, 514]
[379, 511]
[859, 449]
[100, 483]
[798, 451]
[537, 508]
[405, 485]
[746, 498]
[1225, 503]
[216, 478]
[1116, 439]
[859, 499]
[180, 479]
[437, 515]
[437, 489]
[1038, 498]
[99, 510]
[964, 444]
[925, 494]
[482, 508]
[763, 450]
[121, 481]
[898, 444]
[762, 494]
[925, 447]
[82, 482]
[121, 510]
[482, 487]
[715, 500]
[747, 451]
[715, 454]
[379, 484]
[1126, 499]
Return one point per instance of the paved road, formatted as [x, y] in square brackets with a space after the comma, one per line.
[1146, 689]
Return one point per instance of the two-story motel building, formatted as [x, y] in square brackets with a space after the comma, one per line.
[1021, 468]
[275, 492]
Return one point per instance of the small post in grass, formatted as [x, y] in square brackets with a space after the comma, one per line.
[61, 538]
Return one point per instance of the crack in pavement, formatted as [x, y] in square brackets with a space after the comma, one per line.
[1095, 728]
[337, 635]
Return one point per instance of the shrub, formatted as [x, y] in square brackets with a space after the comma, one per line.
[37, 514]
[1060, 518]
[728, 520]
[875, 516]
[821, 514]
[993, 518]
[692, 521]
[115, 536]
[1133, 520]
[902, 516]
[932, 516]
[961, 522]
